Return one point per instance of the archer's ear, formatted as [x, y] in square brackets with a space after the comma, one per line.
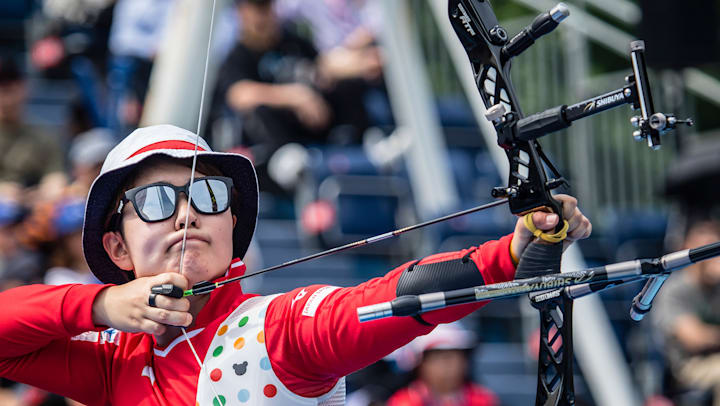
[114, 245]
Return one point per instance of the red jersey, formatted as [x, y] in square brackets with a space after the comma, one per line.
[418, 394]
[48, 339]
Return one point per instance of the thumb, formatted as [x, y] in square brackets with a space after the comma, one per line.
[522, 236]
[545, 221]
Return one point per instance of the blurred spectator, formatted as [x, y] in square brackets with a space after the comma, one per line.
[19, 265]
[54, 228]
[75, 11]
[87, 154]
[28, 157]
[442, 378]
[136, 32]
[283, 92]
[346, 33]
[350, 24]
[66, 256]
[73, 43]
[687, 312]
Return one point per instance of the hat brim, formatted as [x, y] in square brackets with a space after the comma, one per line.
[104, 190]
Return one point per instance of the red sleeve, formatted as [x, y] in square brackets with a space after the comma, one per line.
[314, 336]
[36, 327]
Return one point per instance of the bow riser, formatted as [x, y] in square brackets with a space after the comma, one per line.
[528, 188]
[484, 40]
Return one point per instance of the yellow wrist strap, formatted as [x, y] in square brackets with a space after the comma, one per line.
[552, 238]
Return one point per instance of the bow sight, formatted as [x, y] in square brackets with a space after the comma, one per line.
[650, 124]
[490, 52]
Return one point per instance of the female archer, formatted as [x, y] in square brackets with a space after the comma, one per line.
[118, 344]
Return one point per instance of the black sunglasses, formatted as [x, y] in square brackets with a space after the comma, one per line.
[158, 201]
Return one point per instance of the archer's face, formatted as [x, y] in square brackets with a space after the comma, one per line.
[155, 248]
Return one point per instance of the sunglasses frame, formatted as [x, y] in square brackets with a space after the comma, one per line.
[129, 196]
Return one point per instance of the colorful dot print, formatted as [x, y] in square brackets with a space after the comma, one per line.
[265, 364]
[238, 364]
[243, 395]
[222, 400]
[270, 391]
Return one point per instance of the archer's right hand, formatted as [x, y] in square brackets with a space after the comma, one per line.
[125, 307]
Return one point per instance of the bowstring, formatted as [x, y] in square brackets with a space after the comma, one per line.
[189, 195]
[202, 368]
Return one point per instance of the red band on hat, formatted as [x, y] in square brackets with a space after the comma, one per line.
[172, 144]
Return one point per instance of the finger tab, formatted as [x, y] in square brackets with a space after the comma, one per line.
[167, 289]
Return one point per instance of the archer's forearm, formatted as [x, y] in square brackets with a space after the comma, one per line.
[314, 336]
[35, 315]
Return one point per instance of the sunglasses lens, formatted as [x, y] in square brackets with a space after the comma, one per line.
[155, 202]
[210, 196]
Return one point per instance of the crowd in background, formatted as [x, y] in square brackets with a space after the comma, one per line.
[280, 86]
[293, 74]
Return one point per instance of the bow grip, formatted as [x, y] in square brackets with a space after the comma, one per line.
[167, 289]
[540, 257]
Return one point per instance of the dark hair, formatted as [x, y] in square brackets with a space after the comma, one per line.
[112, 218]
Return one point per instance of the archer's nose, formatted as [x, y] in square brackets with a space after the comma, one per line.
[185, 213]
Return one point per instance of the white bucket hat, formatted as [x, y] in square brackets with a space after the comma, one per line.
[173, 142]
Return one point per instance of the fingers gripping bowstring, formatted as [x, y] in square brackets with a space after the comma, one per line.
[218, 399]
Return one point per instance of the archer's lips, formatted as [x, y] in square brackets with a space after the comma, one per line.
[189, 239]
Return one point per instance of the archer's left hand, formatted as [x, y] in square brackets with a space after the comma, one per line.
[579, 226]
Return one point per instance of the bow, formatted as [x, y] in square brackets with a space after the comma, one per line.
[490, 51]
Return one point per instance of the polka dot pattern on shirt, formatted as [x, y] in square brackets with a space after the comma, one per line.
[238, 364]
